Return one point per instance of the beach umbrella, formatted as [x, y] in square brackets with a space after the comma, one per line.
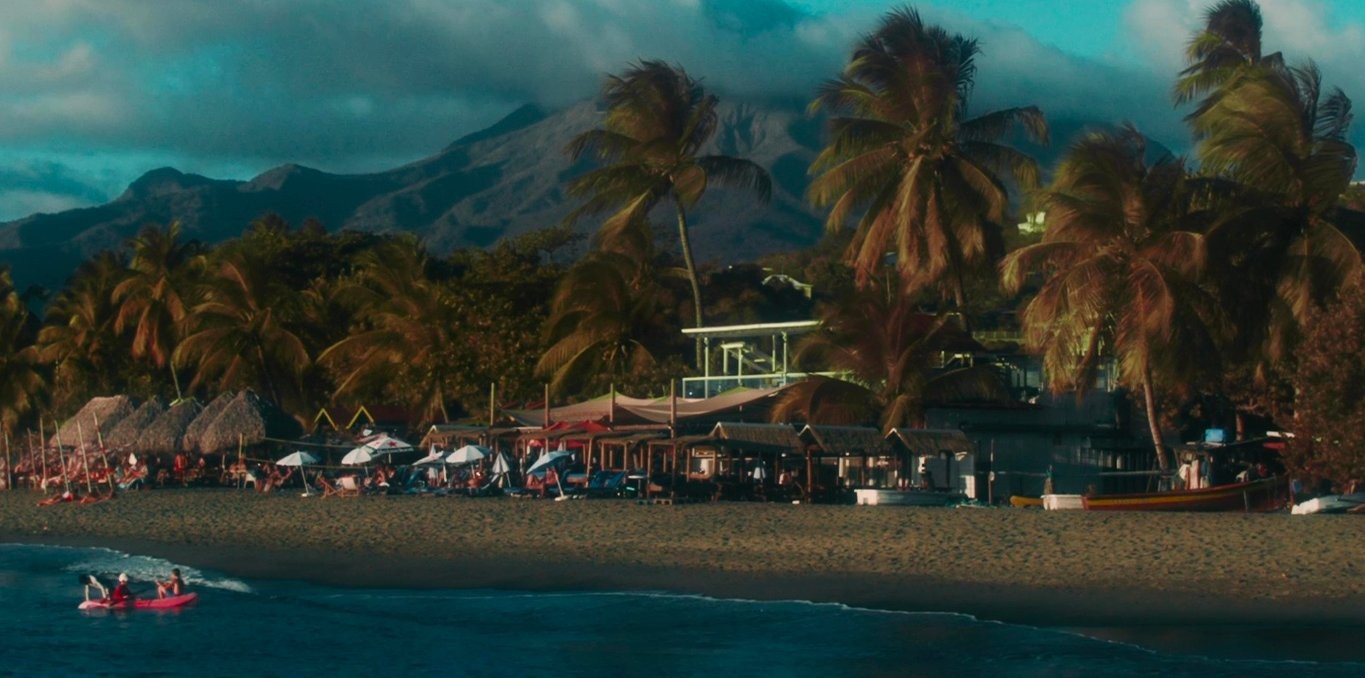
[430, 459]
[468, 454]
[358, 456]
[548, 458]
[386, 444]
[502, 464]
[299, 459]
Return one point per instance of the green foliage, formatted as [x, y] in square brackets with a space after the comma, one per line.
[903, 152]
[658, 119]
[892, 353]
[1329, 387]
[21, 385]
[78, 339]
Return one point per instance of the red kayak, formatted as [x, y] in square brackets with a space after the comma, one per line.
[142, 603]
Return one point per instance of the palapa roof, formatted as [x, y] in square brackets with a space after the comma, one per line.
[247, 420]
[167, 431]
[108, 411]
[839, 440]
[930, 442]
[442, 434]
[126, 432]
[189, 440]
[756, 437]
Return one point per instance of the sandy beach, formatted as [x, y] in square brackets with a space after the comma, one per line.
[1066, 568]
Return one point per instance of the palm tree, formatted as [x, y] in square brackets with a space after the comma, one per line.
[1282, 145]
[21, 384]
[78, 335]
[154, 299]
[929, 180]
[609, 315]
[893, 354]
[1230, 41]
[242, 332]
[1120, 272]
[406, 333]
[658, 119]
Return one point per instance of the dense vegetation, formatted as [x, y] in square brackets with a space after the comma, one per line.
[1194, 277]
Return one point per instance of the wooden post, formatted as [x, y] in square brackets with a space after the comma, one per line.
[61, 456]
[492, 400]
[42, 450]
[104, 454]
[85, 460]
[9, 470]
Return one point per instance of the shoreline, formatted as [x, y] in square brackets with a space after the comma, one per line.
[1049, 569]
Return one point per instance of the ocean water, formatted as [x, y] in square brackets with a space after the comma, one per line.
[280, 628]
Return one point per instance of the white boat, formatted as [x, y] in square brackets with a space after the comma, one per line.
[880, 497]
[1335, 503]
[1063, 502]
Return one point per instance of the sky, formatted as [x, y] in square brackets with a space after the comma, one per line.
[93, 93]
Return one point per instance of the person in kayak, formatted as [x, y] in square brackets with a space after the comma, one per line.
[172, 587]
[121, 594]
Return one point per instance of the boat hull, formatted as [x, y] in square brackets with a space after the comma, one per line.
[1260, 495]
[880, 497]
[142, 603]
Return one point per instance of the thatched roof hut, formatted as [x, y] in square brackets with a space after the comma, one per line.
[248, 419]
[124, 435]
[165, 434]
[108, 411]
[189, 442]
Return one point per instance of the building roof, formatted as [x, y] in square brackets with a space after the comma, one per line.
[838, 440]
[756, 437]
[931, 442]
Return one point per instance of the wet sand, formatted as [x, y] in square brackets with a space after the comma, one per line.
[1065, 568]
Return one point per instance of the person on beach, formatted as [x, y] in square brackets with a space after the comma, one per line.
[173, 586]
[121, 594]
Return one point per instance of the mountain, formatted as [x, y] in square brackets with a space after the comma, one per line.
[504, 180]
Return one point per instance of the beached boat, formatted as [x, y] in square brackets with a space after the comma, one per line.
[1336, 503]
[1062, 502]
[1258, 495]
[880, 497]
[167, 603]
[1020, 501]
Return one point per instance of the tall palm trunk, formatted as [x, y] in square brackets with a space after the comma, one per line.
[1153, 424]
[265, 373]
[691, 278]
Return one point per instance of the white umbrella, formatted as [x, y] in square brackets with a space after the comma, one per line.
[358, 456]
[429, 459]
[467, 454]
[502, 464]
[548, 458]
[300, 459]
[386, 444]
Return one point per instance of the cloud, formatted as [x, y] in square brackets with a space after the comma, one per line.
[44, 186]
[355, 85]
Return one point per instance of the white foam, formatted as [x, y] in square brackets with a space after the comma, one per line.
[107, 563]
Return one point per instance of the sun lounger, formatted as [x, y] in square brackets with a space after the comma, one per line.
[348, 486]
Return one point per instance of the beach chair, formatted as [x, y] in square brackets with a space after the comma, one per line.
[328, 488]
[348, 486]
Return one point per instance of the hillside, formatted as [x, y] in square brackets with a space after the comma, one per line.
[501, 181]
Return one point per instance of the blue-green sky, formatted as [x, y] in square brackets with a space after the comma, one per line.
[95, 92]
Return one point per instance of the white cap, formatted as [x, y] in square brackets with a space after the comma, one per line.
[123, 577]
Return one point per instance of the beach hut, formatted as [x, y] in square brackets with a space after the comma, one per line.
[124, 435]
[842, 452]
[164, 435]
[247, 420]
[948, 456]
[99, 414]
[189, 441]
